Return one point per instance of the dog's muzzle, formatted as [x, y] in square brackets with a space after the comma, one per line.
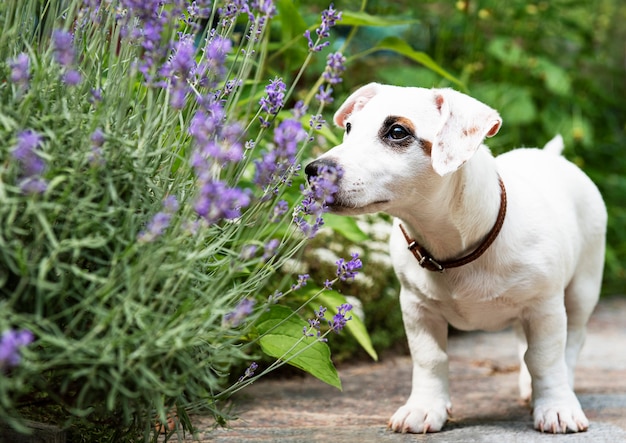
[314, 168]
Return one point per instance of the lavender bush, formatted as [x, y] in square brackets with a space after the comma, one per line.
[149, 191]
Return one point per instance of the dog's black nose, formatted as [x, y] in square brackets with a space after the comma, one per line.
[313, 168]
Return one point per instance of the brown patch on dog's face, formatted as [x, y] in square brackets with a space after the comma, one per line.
[399, 133]
[427, 147]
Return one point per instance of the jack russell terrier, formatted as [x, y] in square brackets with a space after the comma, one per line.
[478, 242]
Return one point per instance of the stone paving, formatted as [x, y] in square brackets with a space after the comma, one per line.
[483, 381]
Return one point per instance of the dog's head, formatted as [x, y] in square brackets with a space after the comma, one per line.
[397, 139]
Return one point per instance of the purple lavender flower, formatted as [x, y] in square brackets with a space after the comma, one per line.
[299, 109]
[170, 204]
[239, 314]
[97, 137]
[248, 252]
[153, 19]
[315, 323]
[63, 47]
[274, 164]
[330, 17]
[215, 140]
[323, 186]
[160, 221]
[10, 344]
[348, 270]
[206, 123]
[72, 77]
[277, 295]
[249, 373]
[265, 7]
[179, 69]
[96, 95]
[334, 68]
[325, 95]
[339, 319]
[216, 50]
[280, 209]
[270, 248]
[183, 61]
[97, 140]
[27, 143]
[33, 185]
[31, 164]
[217, 201]
[232, 9]
[317, 121]
[317, 197]
[302, 280]
[20, 69]
[259, 13]
[287, 136]
[275, 98]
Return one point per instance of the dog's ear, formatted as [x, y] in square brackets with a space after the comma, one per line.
[355, 102]
[465, 124]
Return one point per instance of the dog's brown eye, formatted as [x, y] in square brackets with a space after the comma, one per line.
[397, 132]
[348, 128]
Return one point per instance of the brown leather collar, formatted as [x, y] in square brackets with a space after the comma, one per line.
[427, 261]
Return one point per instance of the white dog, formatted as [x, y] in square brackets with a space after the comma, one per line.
[478, 242]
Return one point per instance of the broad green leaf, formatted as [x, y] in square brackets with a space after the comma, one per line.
[355, 18]
[282, 337]
[507, 51]
[290, 19]
[515, 103]
[401, 47]
[556, 79]
[333, 299]
[345, 226]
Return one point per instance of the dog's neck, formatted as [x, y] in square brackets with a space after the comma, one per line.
[454, 215]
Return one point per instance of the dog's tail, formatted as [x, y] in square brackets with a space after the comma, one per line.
[555, 146]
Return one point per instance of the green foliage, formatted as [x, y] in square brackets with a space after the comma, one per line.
[282, 338]
[141, 292]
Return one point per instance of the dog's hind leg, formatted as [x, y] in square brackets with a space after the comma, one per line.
[581, 296]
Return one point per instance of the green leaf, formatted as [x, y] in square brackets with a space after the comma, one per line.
[556, 79]
[515, 103]
[345, 226]
[508, 52]
[333, 299]
[355, 18]
[291, 20]
[282, 337]
[401, 47]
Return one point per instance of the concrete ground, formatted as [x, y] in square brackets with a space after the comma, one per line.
[483, 381]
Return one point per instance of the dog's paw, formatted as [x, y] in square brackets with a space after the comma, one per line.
[560, 418]
[420, 418]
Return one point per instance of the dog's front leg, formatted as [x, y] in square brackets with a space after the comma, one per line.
[555, 406]
[427, 408]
